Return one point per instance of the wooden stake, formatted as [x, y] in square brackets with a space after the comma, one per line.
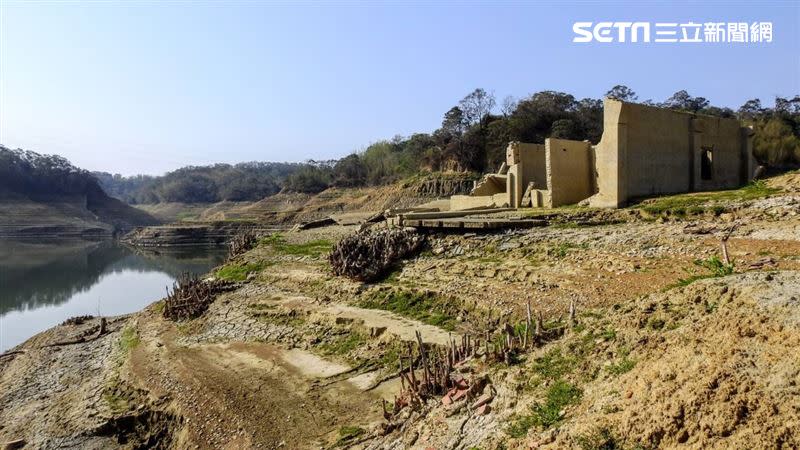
[725, 258]
[527, 324]
[572, 313]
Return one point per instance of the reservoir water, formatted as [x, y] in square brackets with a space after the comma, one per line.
[43, 283]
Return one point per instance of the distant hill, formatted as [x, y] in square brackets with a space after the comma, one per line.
[251, 181]
[45, 195]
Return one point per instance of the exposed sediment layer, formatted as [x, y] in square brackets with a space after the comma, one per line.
[200, 234]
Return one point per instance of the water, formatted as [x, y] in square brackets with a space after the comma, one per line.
[44, 283]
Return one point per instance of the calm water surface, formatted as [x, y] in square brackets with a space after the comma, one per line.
[44, 283]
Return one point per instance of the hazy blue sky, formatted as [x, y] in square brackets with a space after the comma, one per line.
[147, 87]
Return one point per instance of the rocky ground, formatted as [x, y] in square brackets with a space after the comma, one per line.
[668, 348]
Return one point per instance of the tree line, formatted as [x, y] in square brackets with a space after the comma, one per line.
[472, 137]
[203, 184]
[30, 173]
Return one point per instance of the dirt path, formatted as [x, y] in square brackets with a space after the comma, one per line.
[253, 395]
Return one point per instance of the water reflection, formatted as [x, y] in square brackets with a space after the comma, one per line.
[43, 283]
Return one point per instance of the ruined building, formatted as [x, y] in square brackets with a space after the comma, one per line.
[644, 151]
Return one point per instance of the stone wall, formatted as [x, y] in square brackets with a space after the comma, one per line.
[526, 164]
[648, 151]
[569, 171]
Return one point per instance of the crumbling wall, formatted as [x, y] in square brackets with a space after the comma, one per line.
[464, 202]
[648, 151]
[526, 164]
[490, 184]
[569, 171]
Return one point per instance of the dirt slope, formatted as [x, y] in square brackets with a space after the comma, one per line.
[669, 348]
[290, 207]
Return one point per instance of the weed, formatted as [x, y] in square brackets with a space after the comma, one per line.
[693, 203]
[599, 439]
[343, 344]
[239, 272]
[609, 334]
[623, 366]
[116, 402]
[348, 434]
[561, 250]
[128, 340]
[656, 323]
[189, 327]
[313, 249]
[392, 276]
[279, 317]
[592, 314]
[695, 211]
[560, 395]
[158, 306]
[426, 307]
[261, 306]
[554, 364]
[716, 267]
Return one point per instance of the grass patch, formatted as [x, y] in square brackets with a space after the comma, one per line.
[189, 327]
[128, 340]
[239, 272]
[185, 216]
[314, 248]
[279, 317]
[426, 307]
[609, 334]
[624, 365]
[348, 434]
[117, 402]
[544, 415]
[599, 439]
[695, 203]
[343, 344]
[714, 265]
[159, 306]
[656, 323]
[554, 365]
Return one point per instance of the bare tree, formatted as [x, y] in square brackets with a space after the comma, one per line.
[508, 106]
[477, 105]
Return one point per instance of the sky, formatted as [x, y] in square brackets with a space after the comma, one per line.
[147, 87]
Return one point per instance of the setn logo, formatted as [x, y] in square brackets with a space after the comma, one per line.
[708, 32]
[604, 31]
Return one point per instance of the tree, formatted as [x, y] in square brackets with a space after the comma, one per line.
[564, 129]
[682, 101]
[454, 122]
[622, 93]
[785, 106]
[476, 106]
[508, 106]
[349, 171]
[533, 119]
[750, 109]
[589, 118]
[310, 179]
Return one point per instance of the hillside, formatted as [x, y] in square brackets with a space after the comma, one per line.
[45, 195]
[288, 207]
[667, 347]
